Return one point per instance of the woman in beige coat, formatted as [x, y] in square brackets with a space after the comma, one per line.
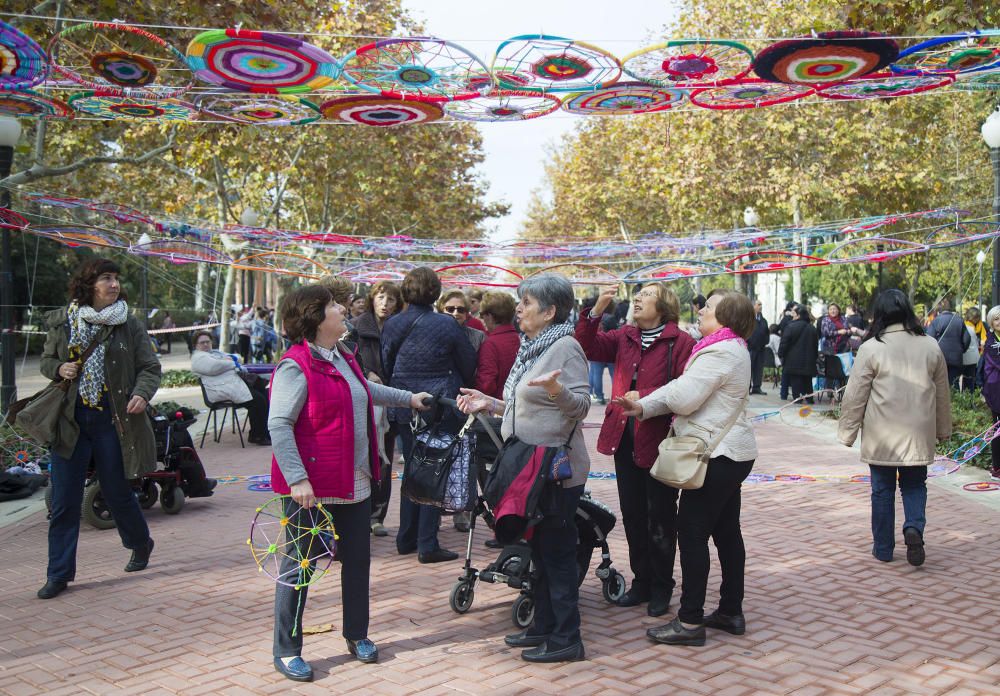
[898, 395]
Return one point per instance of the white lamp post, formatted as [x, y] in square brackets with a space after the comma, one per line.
[249, 217]
[144, 280]
[991, 136]
[980, 260]
[10, 133]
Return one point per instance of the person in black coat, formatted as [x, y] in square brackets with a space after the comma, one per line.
[757, 343]
[786, 318]
[798, 351]
[953, 338]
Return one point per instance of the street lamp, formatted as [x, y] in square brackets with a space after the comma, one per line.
[980, 260]
[10, 133]
[991, 135]
[144, 286]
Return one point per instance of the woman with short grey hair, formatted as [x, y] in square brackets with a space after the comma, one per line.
[545, 398]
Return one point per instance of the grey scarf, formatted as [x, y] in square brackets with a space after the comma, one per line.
[531, 349]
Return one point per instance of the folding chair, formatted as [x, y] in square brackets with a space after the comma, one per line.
[213, 408]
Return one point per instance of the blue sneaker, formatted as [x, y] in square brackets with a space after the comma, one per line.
[296, 670]
[363, 649]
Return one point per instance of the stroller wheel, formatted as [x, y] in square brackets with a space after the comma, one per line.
[461, 598]
[147, 494]
[614, 587]
[523, 611]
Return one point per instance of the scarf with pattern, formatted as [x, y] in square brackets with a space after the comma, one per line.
[531, 349]
[84, 324]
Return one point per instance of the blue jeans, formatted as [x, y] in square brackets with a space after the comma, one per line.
[418, 524]
[597, 377]
[98, 443]
[913, 487]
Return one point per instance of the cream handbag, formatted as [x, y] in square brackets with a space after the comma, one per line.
[683, 460]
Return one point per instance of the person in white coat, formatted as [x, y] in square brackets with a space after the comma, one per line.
[224, 380]
[705, 400]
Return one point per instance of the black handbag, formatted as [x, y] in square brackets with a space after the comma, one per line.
[441, 469]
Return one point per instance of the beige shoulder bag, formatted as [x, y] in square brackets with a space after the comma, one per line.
[683, 460]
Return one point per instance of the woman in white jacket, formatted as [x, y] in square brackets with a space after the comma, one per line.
[711, 394]
[222, 376]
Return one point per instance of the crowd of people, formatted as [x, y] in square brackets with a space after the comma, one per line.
[357, 366]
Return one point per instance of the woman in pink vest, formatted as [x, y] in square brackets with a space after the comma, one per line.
[322, 424]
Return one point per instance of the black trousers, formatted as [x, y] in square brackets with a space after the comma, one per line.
[354, 555]
[756, 369]
[244, 344]
[800, 385]
[649, 515]
[382, 491]
[257, 408]
[553, 551]
[712, 511]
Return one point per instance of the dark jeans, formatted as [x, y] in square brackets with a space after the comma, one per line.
[418, 524]
[597, 377]
[382, 491]
[354, 555]
[995, 445]
[913, 487]
[649, 515]
[553, 550]
[244, 344]
[785, 384]
[756, 369]
[166, 342]
[954, 372]
[712, 511]
[98, 443]
[969, 378]
[800, 385]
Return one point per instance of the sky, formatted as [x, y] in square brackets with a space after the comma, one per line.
[515, 152]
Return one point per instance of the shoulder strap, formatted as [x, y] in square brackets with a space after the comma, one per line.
[406, 334]
[714, 442]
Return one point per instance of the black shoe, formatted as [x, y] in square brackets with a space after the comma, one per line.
[492, 543]
[52, 588]
[296, 670]
[658, 605]
[140, 558]
[437, 556]
[262, 441]
[758, 392]
[405, 552]
[203, 491]
[364, 650]
[914, 546]
[634, 597]
[674, 633]
[542, 653]
[737, 625]
[524, 640]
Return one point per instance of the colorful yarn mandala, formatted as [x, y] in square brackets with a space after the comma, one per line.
[373, 271]
[772, 261]
[30, 104]
[118, 59]
[282, 262]
[380, 111]
[957, 53]
[987, 81]
[748, 94]
[503, 106]
[961, 233]
[687, 63]
[553, 64]
[260, 62]
[830, 56]
[308, 537]
[9, 220]
[672, 270]
[80, 237]
[420, 68]
[23, 63]
[479, 275]
[271, 110]
[114, 107]
[179, 251]
[884, 85]
[582, 274]
[873, 250]
[624, 98]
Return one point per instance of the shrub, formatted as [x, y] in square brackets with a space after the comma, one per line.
[179, 378]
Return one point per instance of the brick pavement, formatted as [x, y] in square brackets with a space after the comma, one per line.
[824, 616]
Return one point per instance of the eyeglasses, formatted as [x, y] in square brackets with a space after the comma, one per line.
[646, 293]
[456, 310]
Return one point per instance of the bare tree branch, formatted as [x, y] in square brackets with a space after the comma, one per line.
[180, 170]
[40, 170]
[281, 187]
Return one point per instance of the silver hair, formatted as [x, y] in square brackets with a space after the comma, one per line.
[992, 315]
[550, 290]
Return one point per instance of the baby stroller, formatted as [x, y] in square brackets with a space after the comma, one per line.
[513, 566]
[182, 474]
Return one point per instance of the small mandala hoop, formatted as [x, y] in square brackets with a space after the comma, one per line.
[260, 110]
[113, 107]
[23, 63]
[748, 94]
[380, 111]
[260, 62]
[700, 62]
[179, 251]
[884, 85]
[80, 237]
[27, 103]
[544, 63]
[307, 537]
[121, 60]
[501, 106]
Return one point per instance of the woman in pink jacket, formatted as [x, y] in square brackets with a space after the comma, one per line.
[646, 356]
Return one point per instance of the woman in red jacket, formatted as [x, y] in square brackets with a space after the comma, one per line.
[647, 354]
[497, 354]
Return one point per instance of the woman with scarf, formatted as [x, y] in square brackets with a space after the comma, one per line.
[545, 397]
[835, 334]
[104, 418]
[708, 398]
[990, 379]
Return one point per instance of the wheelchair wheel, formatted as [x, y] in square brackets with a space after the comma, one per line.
[147, 494]
[95, 510]
[461, 598]
[523, 611]
[172, 499]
